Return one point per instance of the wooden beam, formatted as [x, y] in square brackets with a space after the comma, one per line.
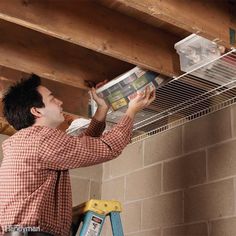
[5, 128]
[93, 26]
[143, 17]
[29, 51]
[208, 18]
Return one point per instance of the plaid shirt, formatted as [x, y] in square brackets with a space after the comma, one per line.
[35, 189]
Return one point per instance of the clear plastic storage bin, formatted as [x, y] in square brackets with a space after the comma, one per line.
[119, 91]
[195, 51]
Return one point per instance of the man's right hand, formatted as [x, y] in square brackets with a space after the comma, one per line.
[141, 101]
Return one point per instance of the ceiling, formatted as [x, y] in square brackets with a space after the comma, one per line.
[71, 42]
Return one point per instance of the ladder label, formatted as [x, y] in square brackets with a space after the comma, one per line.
[94, 226]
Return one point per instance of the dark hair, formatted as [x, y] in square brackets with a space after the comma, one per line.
[18, 101]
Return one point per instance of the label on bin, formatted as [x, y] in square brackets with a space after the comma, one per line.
[118, 104]
[121, 90]
[115, 96]
[140, 82]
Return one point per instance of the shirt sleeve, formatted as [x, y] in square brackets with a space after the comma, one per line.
[59, 151]
[95, 128]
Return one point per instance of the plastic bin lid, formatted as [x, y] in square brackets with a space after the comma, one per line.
[190, 37]
[117, 79]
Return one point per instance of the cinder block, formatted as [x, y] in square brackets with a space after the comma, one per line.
[90, 172]
[106, 229]
[80, 190]
[113, 189]
[95, 190]
[185, 171]
[187, 230]
[156, 232]
[130, 159]
[143, 183]
[209, 201]
[222, 161]
[224, 227]
[207, 130]
[106, 171]
[163, 146]
[131, 217]
[233, 107]
[161, 211]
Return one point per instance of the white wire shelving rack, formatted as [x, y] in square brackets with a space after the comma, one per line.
[200, 92]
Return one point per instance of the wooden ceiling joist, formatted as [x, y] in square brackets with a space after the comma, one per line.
[95, 27]
[208, 18]
[29, 51]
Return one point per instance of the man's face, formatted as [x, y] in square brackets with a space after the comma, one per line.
[52, 112]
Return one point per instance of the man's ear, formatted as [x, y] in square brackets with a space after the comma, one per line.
[36, 112]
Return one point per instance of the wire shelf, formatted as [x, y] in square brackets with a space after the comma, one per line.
[202, 91]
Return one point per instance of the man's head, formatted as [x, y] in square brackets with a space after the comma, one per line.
[29, 103]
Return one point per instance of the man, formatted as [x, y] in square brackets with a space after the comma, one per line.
[35, 190]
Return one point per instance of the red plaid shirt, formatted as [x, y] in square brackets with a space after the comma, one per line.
[35, 187]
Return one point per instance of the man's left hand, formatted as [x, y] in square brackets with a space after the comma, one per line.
[100, 101]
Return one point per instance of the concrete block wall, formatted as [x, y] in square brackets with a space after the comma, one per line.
[181, 182]
[86, 183]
